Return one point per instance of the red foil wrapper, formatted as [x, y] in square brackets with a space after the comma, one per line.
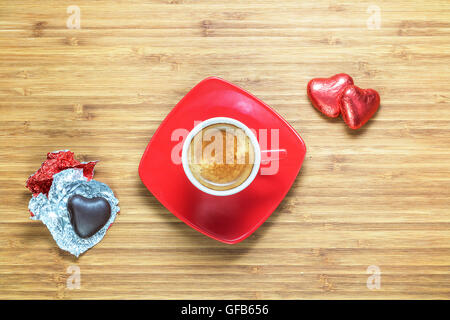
[41, 181]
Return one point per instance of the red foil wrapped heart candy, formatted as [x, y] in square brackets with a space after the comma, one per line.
[358, 105]
[324, 93]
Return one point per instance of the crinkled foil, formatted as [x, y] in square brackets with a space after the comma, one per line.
[52, 211]
[57, 161]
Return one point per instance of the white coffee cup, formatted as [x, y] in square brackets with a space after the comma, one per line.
[253, 141]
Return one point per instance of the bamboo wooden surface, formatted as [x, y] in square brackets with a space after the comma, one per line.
[378, 196]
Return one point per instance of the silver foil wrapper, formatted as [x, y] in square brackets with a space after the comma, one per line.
[52, 211]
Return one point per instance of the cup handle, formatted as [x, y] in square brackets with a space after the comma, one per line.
[272, 155]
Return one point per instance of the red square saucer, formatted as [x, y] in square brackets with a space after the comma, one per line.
[229, 219]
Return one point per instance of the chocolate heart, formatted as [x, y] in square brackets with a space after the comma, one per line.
[88, 216]
[324, 93]
[358, 105]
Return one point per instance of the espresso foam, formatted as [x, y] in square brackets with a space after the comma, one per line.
[221, 156]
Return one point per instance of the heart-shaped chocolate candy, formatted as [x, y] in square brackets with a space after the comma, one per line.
[88, 215]
[324, 93]
[358, 105]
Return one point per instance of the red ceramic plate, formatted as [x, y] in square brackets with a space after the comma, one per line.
[229, 219]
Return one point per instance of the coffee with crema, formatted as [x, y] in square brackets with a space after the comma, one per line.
[221, 156]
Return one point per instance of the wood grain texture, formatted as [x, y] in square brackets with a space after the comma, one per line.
[378, 196]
